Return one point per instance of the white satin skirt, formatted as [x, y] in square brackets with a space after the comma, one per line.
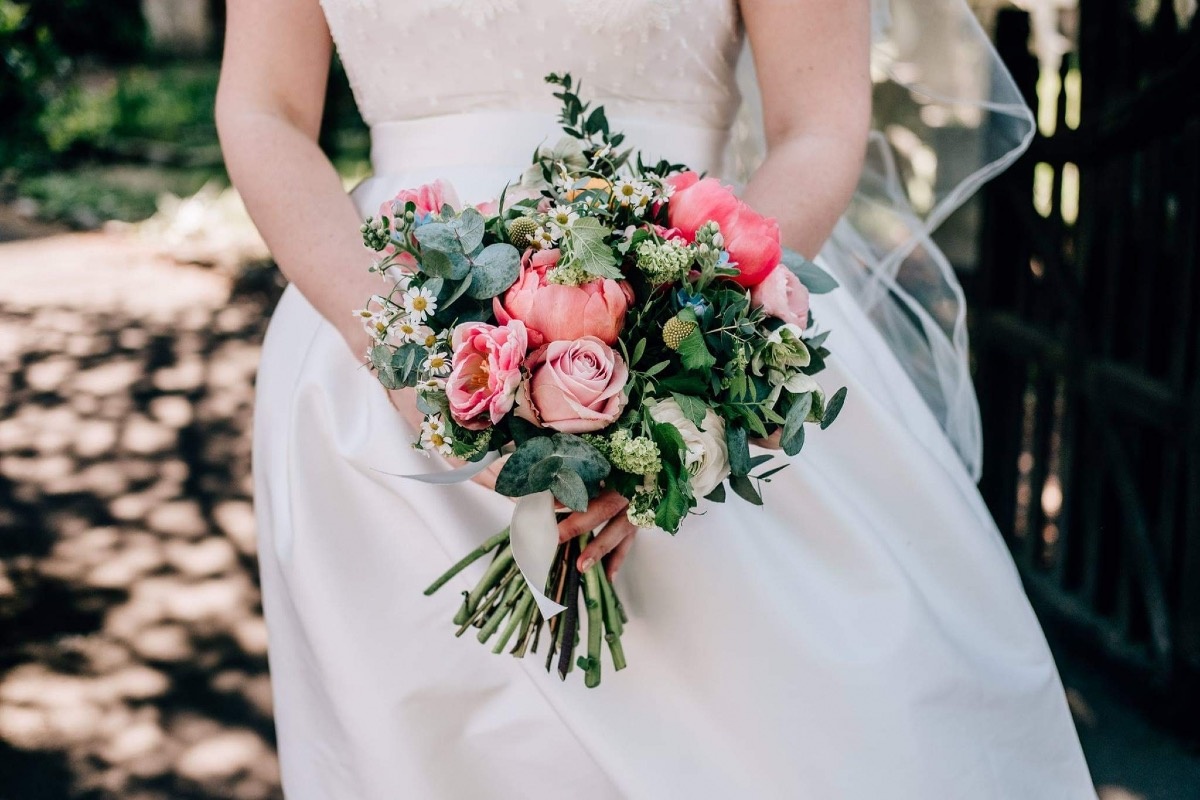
[864, 635]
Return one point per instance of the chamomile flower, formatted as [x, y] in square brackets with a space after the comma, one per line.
[419, 302]
[435, 435]
[431, 385]
[404, 329]
[541, 239]
[437, 364]
[561, 218]
[426, 337]
[631, 193]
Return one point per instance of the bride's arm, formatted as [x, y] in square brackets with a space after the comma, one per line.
[812, 61]
[269, 106]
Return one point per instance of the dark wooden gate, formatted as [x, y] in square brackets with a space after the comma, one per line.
[1087, 342]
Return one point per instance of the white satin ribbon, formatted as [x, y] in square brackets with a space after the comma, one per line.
[533, 532]
[534, 537]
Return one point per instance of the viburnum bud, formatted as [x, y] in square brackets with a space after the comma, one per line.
[675, 331]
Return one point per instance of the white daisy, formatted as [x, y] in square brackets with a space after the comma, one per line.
[431, 385]
[541, 239]
[404, 330]
[437, 364]
[435, 436]
[420, 303]
[631, 192]
[561, 218]
[425, 336]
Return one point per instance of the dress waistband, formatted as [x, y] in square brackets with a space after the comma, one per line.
[503, 138]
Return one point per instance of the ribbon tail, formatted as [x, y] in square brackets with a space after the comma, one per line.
[451, 476]
[533, 537]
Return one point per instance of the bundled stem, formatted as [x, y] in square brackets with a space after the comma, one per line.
[501, 605]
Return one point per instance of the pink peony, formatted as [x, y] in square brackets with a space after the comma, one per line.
[554, 312]
[574, 387]
[429, 197]
[783, 296]
[486, 371]
[752, 240]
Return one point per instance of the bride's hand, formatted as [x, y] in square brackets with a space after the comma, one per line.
[614, 539]
[771, 442]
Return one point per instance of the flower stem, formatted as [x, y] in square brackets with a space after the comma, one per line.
[513, 586]
[570, 625]
[494, 571]
[468, 559]
[519, 616]
[595, 624]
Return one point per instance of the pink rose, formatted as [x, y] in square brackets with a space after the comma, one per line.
[556, 312]
[575, 387]
[486, 371]
[752, 240]
[783, 296]
[429, 197]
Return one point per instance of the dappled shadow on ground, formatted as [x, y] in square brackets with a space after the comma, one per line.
[132, 646]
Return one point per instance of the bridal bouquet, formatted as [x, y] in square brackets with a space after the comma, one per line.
[607, 323]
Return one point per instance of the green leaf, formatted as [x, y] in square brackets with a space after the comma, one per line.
[469, 226]
[462, 287]
[694, 352]
[766, 476]
[568, 487]
[586, 248]
[833, 408]
[580, 457]
[638, 350]
[435, 262]
[657, 368]
[381, 356]
[745, 489]
[717, 495]
[815, 279]
[759, 460]
[437, 236]
[519, 475]
[497, 267]
[739, 450]
[692, 407]
[754, 423]
[670, 442]
[672, 508]
[792, 438]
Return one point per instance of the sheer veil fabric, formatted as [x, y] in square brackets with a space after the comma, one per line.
[947, 118]
[864, 634]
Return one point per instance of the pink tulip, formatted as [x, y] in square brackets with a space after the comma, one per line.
[575, 387]
[752, 240]
[557, 312]
[783, 296]
[486, 371]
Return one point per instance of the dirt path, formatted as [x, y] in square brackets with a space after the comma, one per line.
[132, 647]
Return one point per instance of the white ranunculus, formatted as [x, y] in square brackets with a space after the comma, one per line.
[706, 456]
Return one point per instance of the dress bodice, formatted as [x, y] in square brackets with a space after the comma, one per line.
[648, 59]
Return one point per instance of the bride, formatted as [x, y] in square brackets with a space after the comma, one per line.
[864, 635]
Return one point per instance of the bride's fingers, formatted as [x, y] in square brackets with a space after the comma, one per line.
[617, 557]
[618, 529]
[606, 506]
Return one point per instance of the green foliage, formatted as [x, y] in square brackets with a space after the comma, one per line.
[564, 464]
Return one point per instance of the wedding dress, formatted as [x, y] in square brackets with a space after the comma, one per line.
[863, 635]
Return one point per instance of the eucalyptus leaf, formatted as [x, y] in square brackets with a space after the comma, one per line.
[514, 479]
[833, 408]
[792, 438]
[815, 279]
[469, 227]
[497, 267]
[462, 287]
[438, 263]
[744, 488]
[739, 450]
[568, 487]
[438, 236]
[717, 495]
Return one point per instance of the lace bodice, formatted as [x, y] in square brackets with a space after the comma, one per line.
[652, 59]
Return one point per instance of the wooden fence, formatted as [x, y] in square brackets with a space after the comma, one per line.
[1087, 343]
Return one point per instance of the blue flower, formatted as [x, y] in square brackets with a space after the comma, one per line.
[698, 303]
